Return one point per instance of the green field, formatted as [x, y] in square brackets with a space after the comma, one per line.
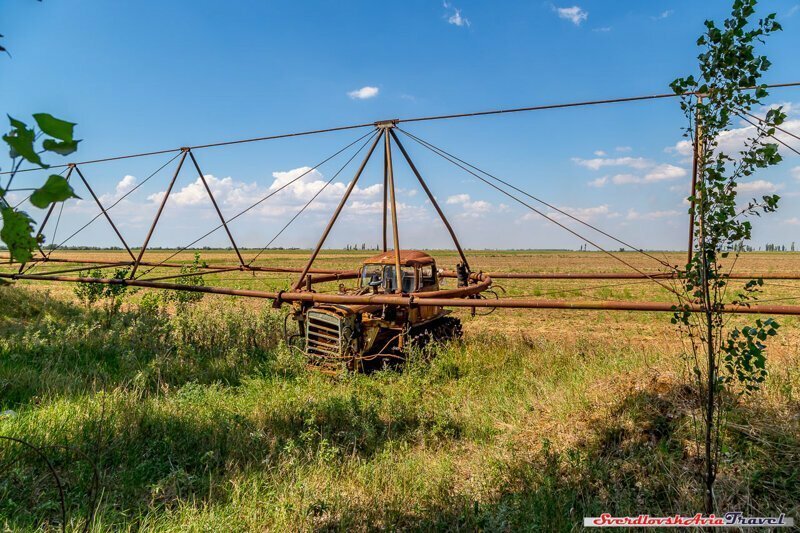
[197, 417]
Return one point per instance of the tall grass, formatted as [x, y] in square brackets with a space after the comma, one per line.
[205, 421]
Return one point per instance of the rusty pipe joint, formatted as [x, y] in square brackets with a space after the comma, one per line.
[387, 124]
[462, 274]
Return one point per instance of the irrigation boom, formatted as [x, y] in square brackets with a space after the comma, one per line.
[397, 298]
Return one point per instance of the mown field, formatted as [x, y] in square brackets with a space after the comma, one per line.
[197, 417]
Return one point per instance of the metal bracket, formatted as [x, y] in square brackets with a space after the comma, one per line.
[387, 124]
[278, 302]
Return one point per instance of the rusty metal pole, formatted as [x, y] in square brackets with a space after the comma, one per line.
[105, 213]
[158, 213]
[695, 171]
[508, 303]
[216, 207]
[395, 230]
[336, 213]
[431, 198]
[385, 193]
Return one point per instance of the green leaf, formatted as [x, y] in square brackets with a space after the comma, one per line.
[17, 234]
[21, 139]
[61, 148]
[54, 127]
[56, 189]
[17, 124]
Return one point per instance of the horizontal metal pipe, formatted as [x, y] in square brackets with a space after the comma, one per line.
[89, 261]
[396, 121]
[509, 303]
[84, 267]
[338, 276]
[193, 274]
[345, 274]
[621, 275]
[482, 282]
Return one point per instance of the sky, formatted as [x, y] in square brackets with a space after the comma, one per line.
[149, 75]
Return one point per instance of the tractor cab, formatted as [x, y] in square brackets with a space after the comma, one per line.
[417, 273]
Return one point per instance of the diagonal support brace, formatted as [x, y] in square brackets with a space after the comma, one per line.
[105, 213]
[430, 197]
[216, 208]
[158, 213]
[336, 213]
[47, 217]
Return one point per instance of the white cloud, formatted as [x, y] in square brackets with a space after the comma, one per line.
[233, 195]
[684, 148]
[652, 215]
[795, 173]
[600, 162]
[455, 17]
[623, 148]
[733, 140]
[663, 14]
[574, 14]
[458, 199]
[757, 186]
[480, 206]
[625, 179]
[364, 93]
[655, 172]
[195, 193]
[125, 185]
[793, 10]
[282, 178]
[472, 208]
[599, 153]
[581, 213]
[358, 208]
[794, 221]
[585, 213]
[790, 108]
[665, 172]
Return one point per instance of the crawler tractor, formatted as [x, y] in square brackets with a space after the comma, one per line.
[359, 337]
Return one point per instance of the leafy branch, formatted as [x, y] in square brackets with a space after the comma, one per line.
[725, 360]
[27, 144]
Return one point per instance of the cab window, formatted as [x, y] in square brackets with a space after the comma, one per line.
[383, 276]
[427, 276]
[407, 277]
[372, 274]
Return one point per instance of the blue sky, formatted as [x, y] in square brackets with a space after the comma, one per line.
[147, 75]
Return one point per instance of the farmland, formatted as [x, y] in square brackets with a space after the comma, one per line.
[198, 417]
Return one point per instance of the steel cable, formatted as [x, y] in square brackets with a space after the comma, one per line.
[787, 132]
[566, 228]
[259, 202]
[576, 219]
[98, 215]
[795, 150]
[311, 200]
[417, 119]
